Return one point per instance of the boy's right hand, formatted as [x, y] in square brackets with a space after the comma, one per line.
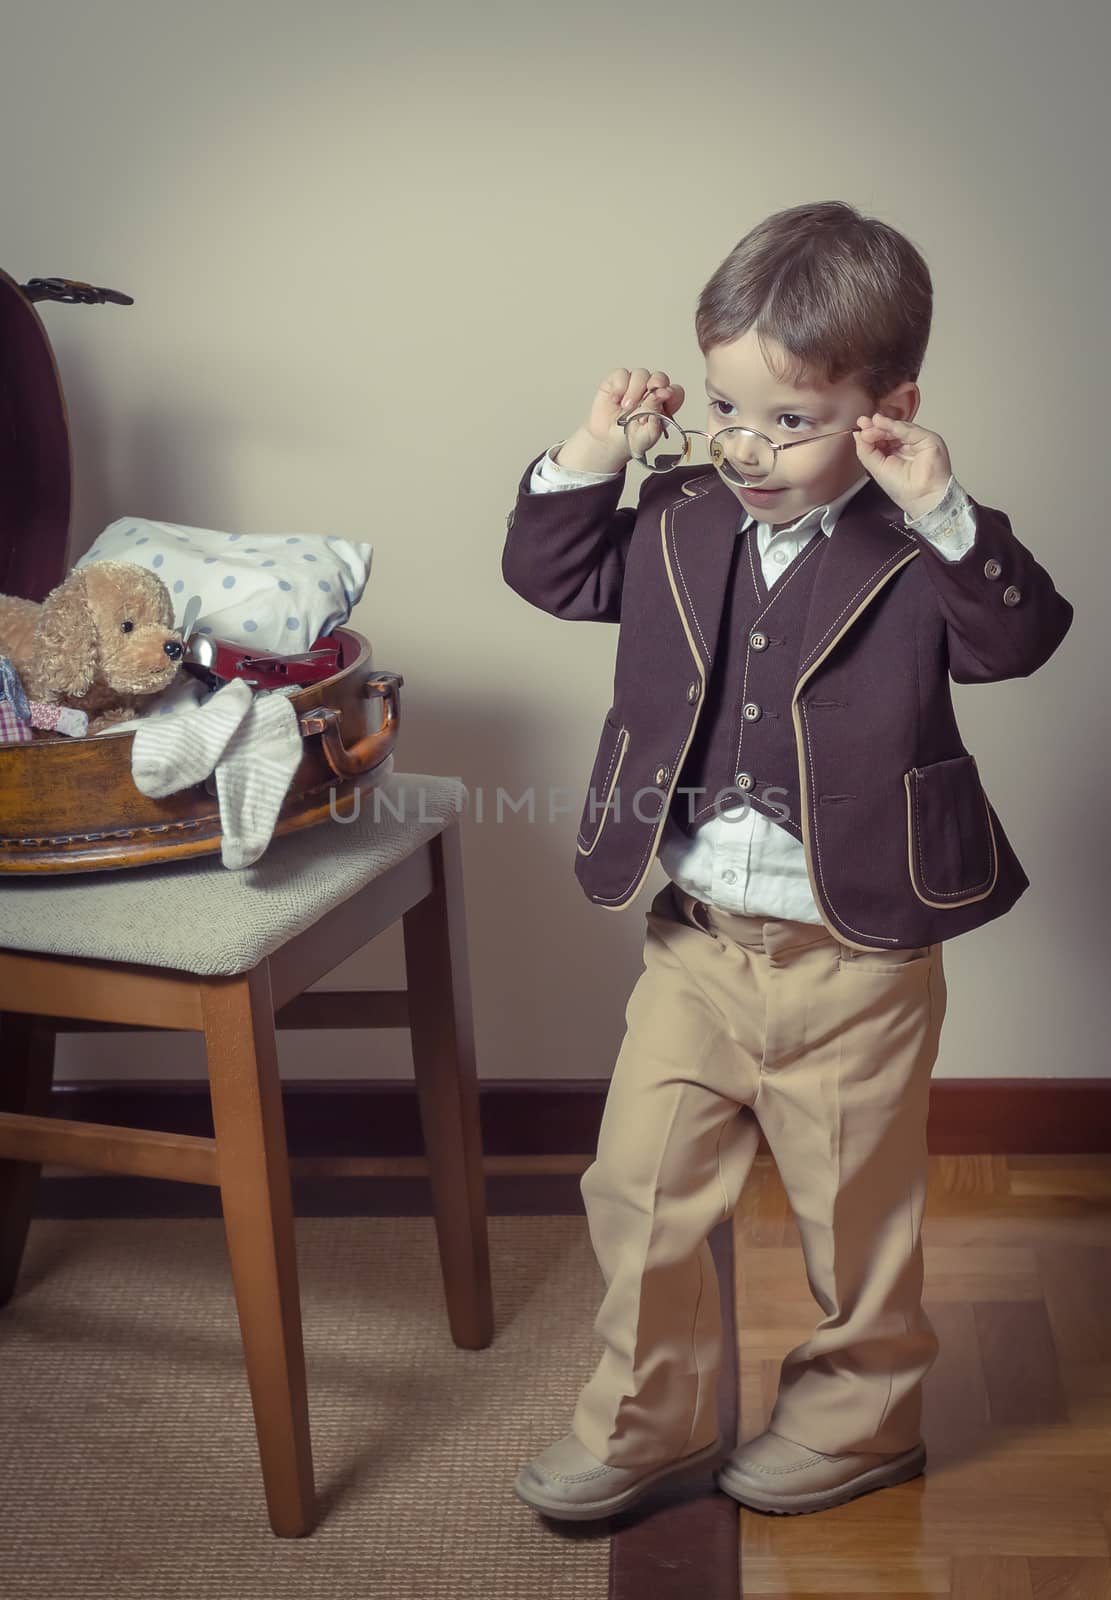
[623, 391]
[599, 444]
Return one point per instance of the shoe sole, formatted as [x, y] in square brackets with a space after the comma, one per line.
[594, 1510]
[908, 1465]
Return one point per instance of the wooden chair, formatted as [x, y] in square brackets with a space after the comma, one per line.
[194, 945]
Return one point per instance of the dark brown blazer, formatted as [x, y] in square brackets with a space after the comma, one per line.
[920, 854]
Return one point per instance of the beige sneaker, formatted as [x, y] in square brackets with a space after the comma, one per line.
[771, 1473]
[567, 1482]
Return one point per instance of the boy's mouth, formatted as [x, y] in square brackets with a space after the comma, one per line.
[759, 494]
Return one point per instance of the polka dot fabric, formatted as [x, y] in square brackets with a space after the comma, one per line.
[275, 591]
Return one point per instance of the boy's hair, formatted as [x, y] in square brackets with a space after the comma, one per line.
[846, 295]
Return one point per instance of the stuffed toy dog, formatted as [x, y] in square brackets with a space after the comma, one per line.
[103, 641]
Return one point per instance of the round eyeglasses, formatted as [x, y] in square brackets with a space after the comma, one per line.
[742, 455]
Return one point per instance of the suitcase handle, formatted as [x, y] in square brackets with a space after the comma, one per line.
[372, 748]
[73, 291]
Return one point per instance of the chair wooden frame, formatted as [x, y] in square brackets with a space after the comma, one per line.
[247, 1158]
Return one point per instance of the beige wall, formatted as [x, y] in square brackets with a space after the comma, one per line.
[343, 222]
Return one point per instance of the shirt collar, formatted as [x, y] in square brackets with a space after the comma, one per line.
[827, 514]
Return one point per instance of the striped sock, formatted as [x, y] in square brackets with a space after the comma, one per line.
[171, 753]
[254, 775]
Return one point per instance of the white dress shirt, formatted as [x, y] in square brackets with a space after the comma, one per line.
[737, 858]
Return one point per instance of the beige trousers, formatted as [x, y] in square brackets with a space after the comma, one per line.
[737, 1024]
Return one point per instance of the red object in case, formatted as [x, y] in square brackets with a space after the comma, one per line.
[219, 660]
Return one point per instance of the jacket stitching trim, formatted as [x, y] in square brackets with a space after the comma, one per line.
[610, 899]
[651, 836]
[605, 781]
[686, 591]
[622, 747]
[944, 894]
[879, 571]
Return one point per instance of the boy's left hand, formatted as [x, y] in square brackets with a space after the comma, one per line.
[909, 463]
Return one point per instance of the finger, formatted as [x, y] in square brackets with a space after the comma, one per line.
[655, 399]
[877, 434]
[634, 390]
[896, 425]
[663, 395]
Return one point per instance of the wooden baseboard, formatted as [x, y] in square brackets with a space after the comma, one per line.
[356, 1148]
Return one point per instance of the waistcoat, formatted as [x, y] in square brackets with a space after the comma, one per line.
[744, 751]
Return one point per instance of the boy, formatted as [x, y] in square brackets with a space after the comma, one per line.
[782, 737]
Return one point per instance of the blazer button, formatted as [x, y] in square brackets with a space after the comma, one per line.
[1012, 596]
[692, 692]
[745, 780]
[992, 568]
[661, 775]
[752, 712]
[509, 519]
[758, 641]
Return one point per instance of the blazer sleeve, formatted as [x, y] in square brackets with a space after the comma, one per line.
[565, 551]
[1004, 618]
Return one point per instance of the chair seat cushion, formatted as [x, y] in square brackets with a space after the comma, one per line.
[197, 915]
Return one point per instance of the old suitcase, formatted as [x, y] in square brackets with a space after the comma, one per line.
[70, 804]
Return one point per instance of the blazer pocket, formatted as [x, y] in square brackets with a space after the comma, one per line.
[950, 839]
[610, 755]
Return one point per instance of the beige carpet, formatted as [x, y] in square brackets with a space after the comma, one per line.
[128, 1466]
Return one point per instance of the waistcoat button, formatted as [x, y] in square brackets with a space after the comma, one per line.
[752, 712]
[692, 692]
[992, 568]
[745, 780]
[1012, 596]
[661, 775]
[758, 641]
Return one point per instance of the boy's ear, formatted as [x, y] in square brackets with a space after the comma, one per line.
[65, 643]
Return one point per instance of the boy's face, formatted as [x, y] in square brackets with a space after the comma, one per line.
[742, 391]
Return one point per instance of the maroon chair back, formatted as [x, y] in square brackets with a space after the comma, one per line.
[36, 467]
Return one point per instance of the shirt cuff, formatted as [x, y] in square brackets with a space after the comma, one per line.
[949, 526]
[549, 474]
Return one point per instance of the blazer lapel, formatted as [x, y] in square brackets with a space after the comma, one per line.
[868, 544]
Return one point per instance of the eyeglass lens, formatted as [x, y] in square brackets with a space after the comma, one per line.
[657, 442]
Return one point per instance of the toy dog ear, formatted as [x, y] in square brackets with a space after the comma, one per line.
[66, 639]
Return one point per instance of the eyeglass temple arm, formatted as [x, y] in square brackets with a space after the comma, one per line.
[815, 436]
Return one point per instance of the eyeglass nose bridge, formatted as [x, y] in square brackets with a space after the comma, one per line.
[729, 428]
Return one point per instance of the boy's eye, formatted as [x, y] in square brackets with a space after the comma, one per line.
[793, 418]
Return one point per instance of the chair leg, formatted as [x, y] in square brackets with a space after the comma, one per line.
[26, 1073]
[442, 1032]
[249, 1124]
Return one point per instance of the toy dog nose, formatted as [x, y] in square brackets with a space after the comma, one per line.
[173, 649]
